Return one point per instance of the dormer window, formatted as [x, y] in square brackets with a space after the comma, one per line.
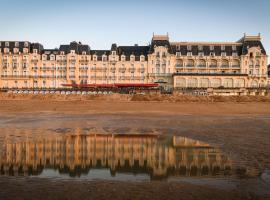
[72, 51]
[15, 50]
[142, 58]
[35, 51]
[234, 54]
[132, 58]
[26, 44]
[189, 47]
[189, 53]
[52, 57]
[212, 54]
[234, 48]
[178, 54]
[62, 53]
[104, 58]
[201, 54]
[6, 50]
[211, 48]
[16, 44]
[95, 57]
[44, 57]
[223, 54]
[178, 48]
[84, 53]
[7, 44]
[25, 50]
[200, 47]
[222, 48]
[123, 58]
[113, 53]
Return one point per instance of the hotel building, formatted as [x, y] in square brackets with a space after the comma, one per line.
[241, 64]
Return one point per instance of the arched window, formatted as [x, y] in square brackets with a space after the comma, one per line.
[201, 63]
[190, 63]
[225, 64]
[213, 63]
[236, 63]
[179, 63]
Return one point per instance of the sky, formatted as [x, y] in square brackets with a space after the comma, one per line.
[101, 23]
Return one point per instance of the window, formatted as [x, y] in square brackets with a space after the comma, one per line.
[26, 44]
[234, 48]
[189, 47]
[178, 54]
[178, 48]
[62, 53]
[123, 58]
[7, 44]
[113, 53]
[200, 47]
[189, 53]
[35, 51]
[201, 54]
[15, 50]
[222, 48]
[212, 54]
[16, 44]
[212, 48]
[25, 50]
[223, 54]
[142, 58]
[234, 54]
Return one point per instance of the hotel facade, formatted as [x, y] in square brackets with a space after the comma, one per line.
[241, 64]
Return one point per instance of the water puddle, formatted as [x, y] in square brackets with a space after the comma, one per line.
[125, 157]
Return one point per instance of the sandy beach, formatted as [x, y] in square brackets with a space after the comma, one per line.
[240, 129]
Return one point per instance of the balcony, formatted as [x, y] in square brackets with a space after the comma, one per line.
[179, 65]
[83, 76]
[201, 66]
[224, 66]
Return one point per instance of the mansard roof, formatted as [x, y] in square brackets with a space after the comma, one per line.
[76, 46]
[20, 45]
[135, 50]
[206, 50]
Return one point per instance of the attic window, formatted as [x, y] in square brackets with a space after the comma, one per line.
[189, 47]
[84, 53]
[34, 50]
[200, 47]
[234, 48]
[113, 53]
[123, 58]
[16, 44]
[7, 44]
[132, 57]
[211, 47]
[222, 48]
[15, 50]
[26, 44]
[62, 53]
[72, 51]
[142, 58]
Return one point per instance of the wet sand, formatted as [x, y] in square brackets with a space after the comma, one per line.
[241, 130]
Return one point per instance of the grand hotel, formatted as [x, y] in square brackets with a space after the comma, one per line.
[241, 64]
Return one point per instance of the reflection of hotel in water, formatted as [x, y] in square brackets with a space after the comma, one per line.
[76, 154]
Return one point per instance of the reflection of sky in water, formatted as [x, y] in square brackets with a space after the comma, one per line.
[96, 174]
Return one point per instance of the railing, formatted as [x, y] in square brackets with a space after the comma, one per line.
[201, 66]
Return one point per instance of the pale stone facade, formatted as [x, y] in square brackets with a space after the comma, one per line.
[241, 64]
